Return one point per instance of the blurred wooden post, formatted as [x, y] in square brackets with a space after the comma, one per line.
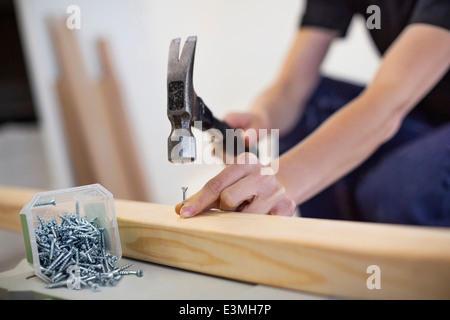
[99, 136]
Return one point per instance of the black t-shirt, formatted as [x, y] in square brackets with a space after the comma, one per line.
[395, 15]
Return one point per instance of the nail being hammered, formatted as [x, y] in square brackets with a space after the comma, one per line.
[184, 194]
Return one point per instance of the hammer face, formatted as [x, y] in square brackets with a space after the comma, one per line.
[182, 148]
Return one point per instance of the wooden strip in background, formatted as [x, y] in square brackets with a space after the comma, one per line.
[312, 255]
[12, 200]
[94, 127]
[79, 153]
[110, 90]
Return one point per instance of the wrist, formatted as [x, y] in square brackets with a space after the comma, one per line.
[280, 105]
[291, 170]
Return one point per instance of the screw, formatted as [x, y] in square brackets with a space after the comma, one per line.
[138, 273]
[49, 203]
[184, 194]
[94, 286]
[56, 261]
[112, 260]
[57, 277]
[77, 242]
[102, 240]
[41, 221]
[122, 268]
[56, 284]
[52, 248]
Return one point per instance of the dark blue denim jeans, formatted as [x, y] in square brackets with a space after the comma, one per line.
[407, 180]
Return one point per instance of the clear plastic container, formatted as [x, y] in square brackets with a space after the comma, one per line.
[89, 201]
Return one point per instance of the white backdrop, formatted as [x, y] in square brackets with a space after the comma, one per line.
[240, 47]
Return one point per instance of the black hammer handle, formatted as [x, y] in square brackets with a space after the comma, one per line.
[209, 121]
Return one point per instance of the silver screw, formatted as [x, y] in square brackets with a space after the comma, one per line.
[56, 261]
[49, 203]
[138, 273]
[122, 268]
[81, 243]
[56, 284]
[94, 286]
[184, 194]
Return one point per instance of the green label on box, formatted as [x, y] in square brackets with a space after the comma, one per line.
[26, 238]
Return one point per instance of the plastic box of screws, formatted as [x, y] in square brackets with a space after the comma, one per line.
[72, 238]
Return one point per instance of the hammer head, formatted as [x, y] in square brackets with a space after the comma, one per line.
[181, 101]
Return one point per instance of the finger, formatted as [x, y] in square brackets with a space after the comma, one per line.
[264, 205]
[209, 195]
[180, 205]
[238, 120]
[254, 187]
[285, 207]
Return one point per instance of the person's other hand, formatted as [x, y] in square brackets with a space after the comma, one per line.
[248, 121]
[240, 187]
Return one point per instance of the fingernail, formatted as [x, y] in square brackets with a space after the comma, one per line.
[187, 212]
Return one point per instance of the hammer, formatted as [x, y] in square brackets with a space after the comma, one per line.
[184, 106]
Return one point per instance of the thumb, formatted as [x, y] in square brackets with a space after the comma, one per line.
[196, 204]
[186, 210]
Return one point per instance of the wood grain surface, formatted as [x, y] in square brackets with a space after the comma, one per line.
[311, 255]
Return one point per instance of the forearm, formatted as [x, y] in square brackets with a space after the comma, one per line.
[412, 66]
[282, 102]
[338, 146]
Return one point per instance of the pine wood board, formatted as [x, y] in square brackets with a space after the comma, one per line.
[310, 255]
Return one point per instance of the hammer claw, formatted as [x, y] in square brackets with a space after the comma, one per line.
[174, 51]
[180, 68]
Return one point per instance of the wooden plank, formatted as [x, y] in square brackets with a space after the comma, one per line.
[311, 255]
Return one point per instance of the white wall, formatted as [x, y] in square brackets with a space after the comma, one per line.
[240, 47]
